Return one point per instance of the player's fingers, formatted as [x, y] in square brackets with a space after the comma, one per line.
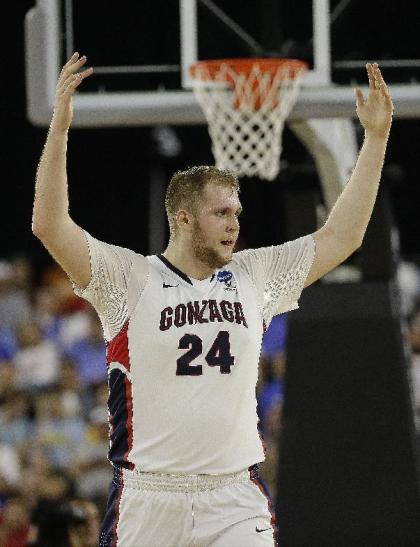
[86, 73]
[64, 85]
[72, 67]
[80, 76]
[66, 81]
[380, 85]
[360, 101]
[72, 60]
[76, 80]
[371, 76]
[380, 82]
[377, 79]
[69, 81]
[70, 88]
[78, 64]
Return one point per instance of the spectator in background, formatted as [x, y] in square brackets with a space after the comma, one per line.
[14, 523]
[58, 434]
[274, 340]
[36, 361]
[8, 343]
[91, 467]
[270, 389]
[56, 487]
[101, 394]
[10, 470]
[50, 515]
[15, 287]
[46, 304]
[6, 490]
[67, 311]
[15, 307]
[35, 472]
[15, 431]
[270, 395]
[74, 399]
[89, 354]
[15, 424]
[85, 533]
[72, 523]
[23, 276]
[7, 379]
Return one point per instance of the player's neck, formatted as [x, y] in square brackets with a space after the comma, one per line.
[186, 262]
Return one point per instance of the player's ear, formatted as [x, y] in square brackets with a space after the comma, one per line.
[183, 219]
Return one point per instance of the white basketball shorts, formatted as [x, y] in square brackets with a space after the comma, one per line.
[158, 510]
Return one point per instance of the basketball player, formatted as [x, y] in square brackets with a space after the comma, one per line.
[183, 333]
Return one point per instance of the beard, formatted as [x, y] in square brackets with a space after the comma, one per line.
[205, 254]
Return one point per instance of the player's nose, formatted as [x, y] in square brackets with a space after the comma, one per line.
[233, 225]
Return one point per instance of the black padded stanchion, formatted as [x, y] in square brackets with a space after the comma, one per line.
[347, 472]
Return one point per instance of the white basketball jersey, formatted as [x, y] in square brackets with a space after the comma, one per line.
[182, 354]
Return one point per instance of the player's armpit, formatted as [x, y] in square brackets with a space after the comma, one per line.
[329, 253]
[68, 246]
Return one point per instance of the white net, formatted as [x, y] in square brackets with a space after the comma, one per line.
[245, 112]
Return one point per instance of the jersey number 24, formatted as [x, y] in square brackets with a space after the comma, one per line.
[218, 355]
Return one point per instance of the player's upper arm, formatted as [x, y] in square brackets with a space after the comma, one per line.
[329, 253]
[67, 244]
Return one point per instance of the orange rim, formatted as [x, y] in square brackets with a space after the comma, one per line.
[210, 69]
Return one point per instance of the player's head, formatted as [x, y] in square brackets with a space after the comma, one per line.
[202, 204]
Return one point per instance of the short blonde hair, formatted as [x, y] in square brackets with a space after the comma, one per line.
[186, 187]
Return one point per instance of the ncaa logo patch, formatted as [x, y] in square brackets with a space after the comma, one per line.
[224, 276]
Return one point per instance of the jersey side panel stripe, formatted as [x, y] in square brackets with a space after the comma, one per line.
[109, 532]
[117, 349]
[129, 421]
[117, 515]
[120, 402]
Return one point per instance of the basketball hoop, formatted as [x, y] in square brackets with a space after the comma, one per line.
[246, 102]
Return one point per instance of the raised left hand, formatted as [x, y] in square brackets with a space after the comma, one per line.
[375, 113]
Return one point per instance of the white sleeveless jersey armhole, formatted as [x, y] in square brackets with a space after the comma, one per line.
[115, 285]
[278, 273]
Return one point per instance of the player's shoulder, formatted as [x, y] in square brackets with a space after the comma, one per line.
[242, 262]
[242, 259]
[104, 246]
[160, 267]
[115, 256]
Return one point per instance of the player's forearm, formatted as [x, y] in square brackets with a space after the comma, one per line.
[51, 202]
[352, 211]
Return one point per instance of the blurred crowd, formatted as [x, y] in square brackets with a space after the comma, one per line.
[53, 413]
[53, 417]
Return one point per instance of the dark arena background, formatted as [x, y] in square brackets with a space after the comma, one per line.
[339, 388]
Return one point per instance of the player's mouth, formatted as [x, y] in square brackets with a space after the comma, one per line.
[228, 242]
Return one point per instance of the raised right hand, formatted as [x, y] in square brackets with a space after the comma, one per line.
[375, 113]
[70, 78]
